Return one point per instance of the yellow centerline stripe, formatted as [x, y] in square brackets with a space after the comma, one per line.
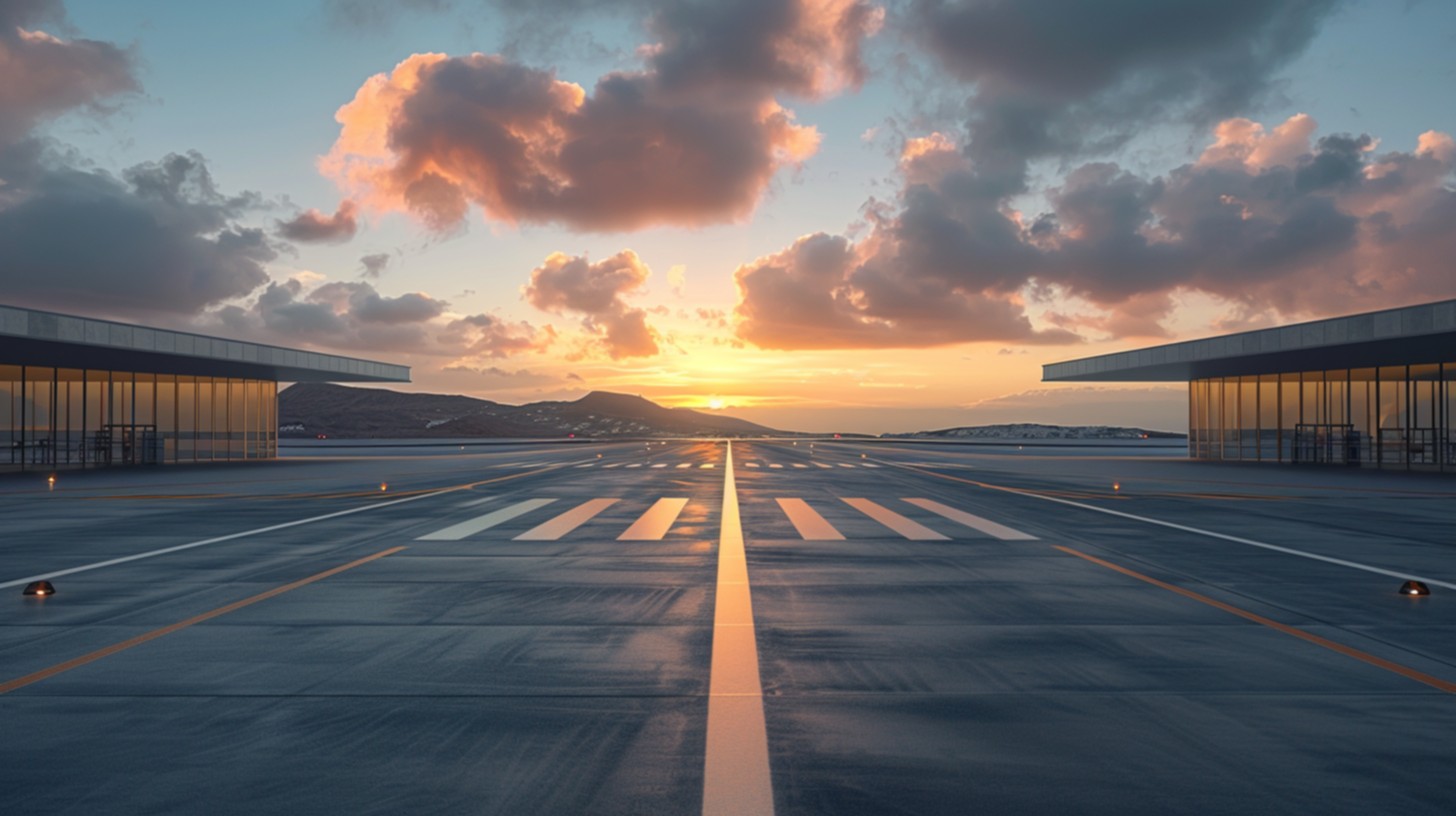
[36, 677]
[736, 776]
[1308, 637]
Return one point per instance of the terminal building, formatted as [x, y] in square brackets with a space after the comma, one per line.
[1375, 389]
[79, 392]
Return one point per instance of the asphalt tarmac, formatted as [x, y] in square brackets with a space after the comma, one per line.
[829, 627]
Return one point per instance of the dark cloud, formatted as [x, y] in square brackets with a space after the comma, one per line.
[1061, 77]
[374, 264]
[46, 76]
[826, 293]
[694, 138]
[354, 315]
[1263, 221]
[312, 226]
[160, 239]
[595, 290]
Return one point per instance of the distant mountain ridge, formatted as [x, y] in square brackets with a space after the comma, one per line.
[306, 410]
[1033, 430]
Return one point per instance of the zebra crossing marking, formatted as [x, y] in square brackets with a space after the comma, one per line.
[654, 524]
[455, 532]
[973, 521]
[807, 521]
[912, 530]
[559, 526]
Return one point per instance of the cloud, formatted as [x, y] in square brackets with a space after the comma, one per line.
[677, 278]
[46, 76]
[564, 283]
[374, 265]
[1062, 77]
[1262, 220]
[356, 317]
[695, 137]
[160, 239]
[312, 226]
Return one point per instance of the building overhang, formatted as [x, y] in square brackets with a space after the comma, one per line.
[1412, 335]
[31, 337]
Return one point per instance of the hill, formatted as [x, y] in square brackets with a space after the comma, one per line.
[310, 409]
[1031, 430]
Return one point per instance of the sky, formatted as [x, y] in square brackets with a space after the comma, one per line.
[821, 215]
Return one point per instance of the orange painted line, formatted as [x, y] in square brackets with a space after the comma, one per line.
[1348, 651]
[36, 677]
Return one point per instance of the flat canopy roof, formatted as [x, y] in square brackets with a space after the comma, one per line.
[30, 337]
[1410, 335]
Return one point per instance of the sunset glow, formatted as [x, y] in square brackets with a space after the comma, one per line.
[850, 215]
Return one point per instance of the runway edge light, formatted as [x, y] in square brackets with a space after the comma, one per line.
[39, 589]
[1414, 588]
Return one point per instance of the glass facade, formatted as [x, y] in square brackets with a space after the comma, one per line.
[60, 416]
[1390, 417]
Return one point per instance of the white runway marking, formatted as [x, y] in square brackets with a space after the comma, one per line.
[845, 464]
[216, 540]
[475, 502]
[612, 465]
[655, 523]
[1250, 542]
[566, 522]
[975, 522]
[588, 464]
[913, 530]
[660, 465]
[811, 525]
[752, 464]
[775, 465]
[635, 464]
[820, 464]
[798, 465]
[685, 465]
[455, 532]
[736, 776]
[708, 466]
[868, 465]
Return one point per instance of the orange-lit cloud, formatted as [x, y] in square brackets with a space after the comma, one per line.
[566, 284]
[1265, 221]
[694, 138]
[315, 227]
[45, 76]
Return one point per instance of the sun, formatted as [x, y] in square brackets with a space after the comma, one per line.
[715, 404]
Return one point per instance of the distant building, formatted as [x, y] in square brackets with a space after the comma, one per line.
[82, 392]
[1375, 389]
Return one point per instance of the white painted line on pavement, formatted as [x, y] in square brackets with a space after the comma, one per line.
[655, 523]
[736, 776]
[752, 464]
[660, 465]
[811, 525]
[635, 464]
[975, 522]
[798, 465]
[685, 465]
[204, 542]
[708, 466]
[470, 527]
[566, 522]
[820, 464]
[913, 530]
[775, 465]
[1248, 541]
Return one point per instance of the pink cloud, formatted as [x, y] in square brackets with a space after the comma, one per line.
[694, 138]
[315, 227]
[595, 290]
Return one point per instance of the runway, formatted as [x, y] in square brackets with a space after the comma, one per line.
[789, 626]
